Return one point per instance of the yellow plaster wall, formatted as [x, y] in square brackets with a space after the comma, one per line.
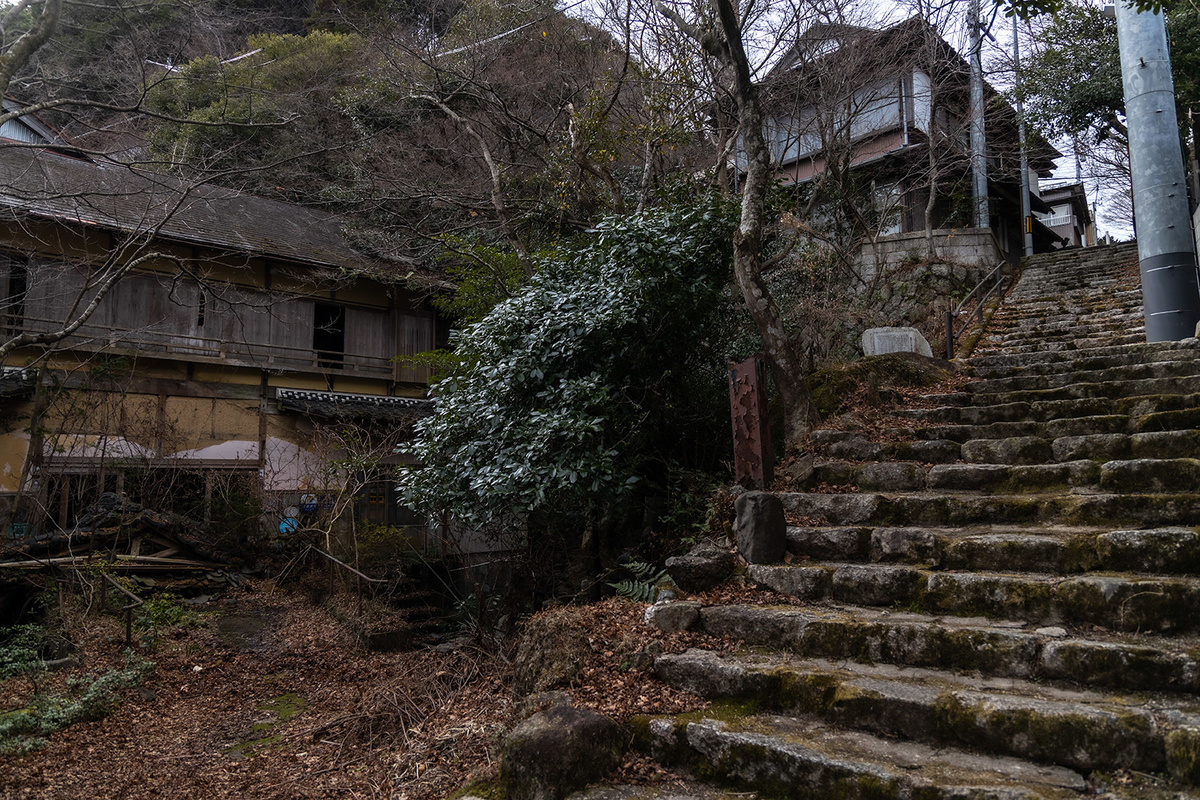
[130, 416]
[197, 422]
[216, 373]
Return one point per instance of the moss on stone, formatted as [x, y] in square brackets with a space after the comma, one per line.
[834, 387]
[1183, 755]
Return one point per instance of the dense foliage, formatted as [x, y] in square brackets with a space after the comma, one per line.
[582, 385]
[1073, 78]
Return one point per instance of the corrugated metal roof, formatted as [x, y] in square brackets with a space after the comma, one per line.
[118, 197]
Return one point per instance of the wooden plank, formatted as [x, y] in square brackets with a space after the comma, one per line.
[417, 334]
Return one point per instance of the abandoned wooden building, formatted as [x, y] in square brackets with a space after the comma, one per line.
[172, 340]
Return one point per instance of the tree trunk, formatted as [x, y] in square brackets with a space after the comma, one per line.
[786, 368]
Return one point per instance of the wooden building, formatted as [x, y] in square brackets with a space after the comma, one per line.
[208, 335]
[890, 107]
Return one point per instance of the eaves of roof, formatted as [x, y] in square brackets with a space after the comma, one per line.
[117, 197]
[345, 406]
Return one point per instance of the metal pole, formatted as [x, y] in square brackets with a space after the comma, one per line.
[1166, 250]
[979, 188]
[1026, 221]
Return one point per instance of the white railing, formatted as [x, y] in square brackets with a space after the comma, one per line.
[1057, 220]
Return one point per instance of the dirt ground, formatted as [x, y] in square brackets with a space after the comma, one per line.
[270, 698]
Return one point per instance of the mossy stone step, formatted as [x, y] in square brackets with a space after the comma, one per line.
[1026, 359]
[1167, 551]
[876, 636]
[1061, 327]
[1080, 730]
[1186, 384]
[1118, 603]
[1083, 361]
[1056, 410]
[1013, 439]
[988, 478]
[1067, 344]
[935, 509]
[803, 757]
[1128, 372]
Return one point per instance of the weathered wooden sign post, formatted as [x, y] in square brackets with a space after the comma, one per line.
[753, 462]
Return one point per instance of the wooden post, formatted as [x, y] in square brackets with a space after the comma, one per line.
[753, 461]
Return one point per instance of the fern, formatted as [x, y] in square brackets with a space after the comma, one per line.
[644, 584]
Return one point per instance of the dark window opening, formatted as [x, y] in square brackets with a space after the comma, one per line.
[201, 308]
[329, 334]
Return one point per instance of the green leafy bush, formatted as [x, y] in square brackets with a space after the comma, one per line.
[586, 383]
[87, 697]
[21, 649]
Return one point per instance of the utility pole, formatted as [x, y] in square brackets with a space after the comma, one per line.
[1026, 216]
[1166, 249]
[979, 188]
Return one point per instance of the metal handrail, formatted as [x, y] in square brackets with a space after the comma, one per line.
[128, 609]
[980, 298]
[359, 577]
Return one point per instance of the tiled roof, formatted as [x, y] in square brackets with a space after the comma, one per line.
[117, 197]
[342, 405]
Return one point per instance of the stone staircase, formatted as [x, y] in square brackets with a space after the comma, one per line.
[1003, 602]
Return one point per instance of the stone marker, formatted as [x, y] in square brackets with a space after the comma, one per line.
[557, 751]
[879, 341]
[760, 528]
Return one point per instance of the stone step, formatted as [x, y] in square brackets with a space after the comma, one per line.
[1014, 466]
[960, 510]
[674, 789]
[1064, 344]
[1049, 410]
[986, 478]
[1032, 325]
[804, 757]
[1081, 362]
[1184, 384]
[1082, 730]
[1051, 329]
[1053, 380]
[1063, 551]
[1141, 348]
[1118, 603]
[1125, 662]
[1177, 422]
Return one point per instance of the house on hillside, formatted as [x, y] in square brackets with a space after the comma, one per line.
[886, 111]
[1070, 216]
[213, 339]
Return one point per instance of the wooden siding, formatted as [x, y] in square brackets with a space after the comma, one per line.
[158, 314]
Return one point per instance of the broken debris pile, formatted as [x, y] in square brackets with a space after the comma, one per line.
[137, 537]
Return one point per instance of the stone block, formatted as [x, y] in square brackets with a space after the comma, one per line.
[674, 616]
[892, 477]
[879, 341]
[760, 528]
[557, 751]
[808, 583]
[705, 566]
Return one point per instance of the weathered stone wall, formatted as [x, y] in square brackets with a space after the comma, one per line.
[973, 246]
[907, 285]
